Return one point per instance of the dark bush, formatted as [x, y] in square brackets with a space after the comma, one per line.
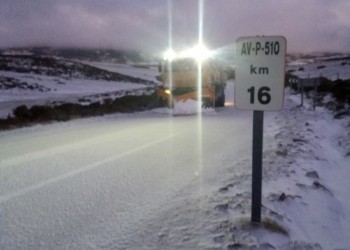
[9, 122]
[68, 109]
[341, 91]
[60, 116]
[41, 113]
[22, 112]
[92, 109]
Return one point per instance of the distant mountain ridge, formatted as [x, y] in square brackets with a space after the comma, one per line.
[85, 54]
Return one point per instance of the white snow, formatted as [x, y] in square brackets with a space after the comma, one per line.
[302, 159]
[188, 107]
[57, 89]
[332, 70]
[144, 72]
[153, 181]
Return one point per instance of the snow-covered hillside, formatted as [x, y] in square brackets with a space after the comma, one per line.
[330, 67]
[30, 90]
[28, 80]
[84, 54]
[145, 72]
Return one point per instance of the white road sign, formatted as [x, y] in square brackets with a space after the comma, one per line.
[260, 71]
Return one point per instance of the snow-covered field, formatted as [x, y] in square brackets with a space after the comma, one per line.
[50, 90]
[333, 70]
[147, 73]
[153, 181]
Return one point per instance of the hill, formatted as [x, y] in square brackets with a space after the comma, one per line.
[85, 54]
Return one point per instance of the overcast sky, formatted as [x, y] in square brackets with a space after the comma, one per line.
[308, 25]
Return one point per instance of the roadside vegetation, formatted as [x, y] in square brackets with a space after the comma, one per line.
[334, 95]
[25, 116]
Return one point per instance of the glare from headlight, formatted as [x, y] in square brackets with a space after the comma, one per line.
[199, 52]
[169, 55]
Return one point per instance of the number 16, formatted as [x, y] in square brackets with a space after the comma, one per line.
[263, 96]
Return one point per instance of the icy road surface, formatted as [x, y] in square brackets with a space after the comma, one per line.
[94, 183]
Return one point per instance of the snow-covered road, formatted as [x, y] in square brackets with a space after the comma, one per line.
[94, 183]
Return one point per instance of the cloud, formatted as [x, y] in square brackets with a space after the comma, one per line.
[308, 25]
[81, 23]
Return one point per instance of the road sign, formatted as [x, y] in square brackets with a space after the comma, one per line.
[293, 80]
[260, 72]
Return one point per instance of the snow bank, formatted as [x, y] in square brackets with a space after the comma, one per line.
[189, 107]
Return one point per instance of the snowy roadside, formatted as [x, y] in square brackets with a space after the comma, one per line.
[306, 173]
[306, 203]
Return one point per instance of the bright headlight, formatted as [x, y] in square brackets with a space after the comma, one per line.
[169, 55]
[199, 52]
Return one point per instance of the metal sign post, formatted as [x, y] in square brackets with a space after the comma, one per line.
[259, 86]
[302, 92]
[315, 92]
[258, 126]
